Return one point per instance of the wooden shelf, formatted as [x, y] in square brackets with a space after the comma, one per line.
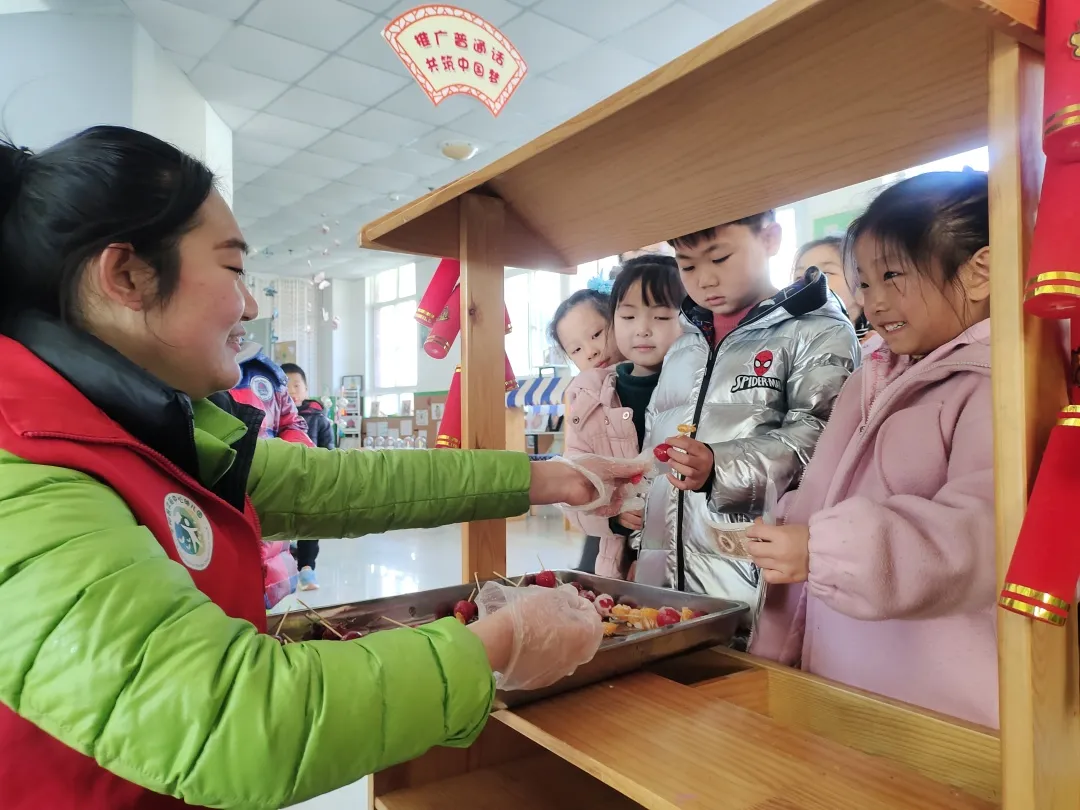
[542, 782]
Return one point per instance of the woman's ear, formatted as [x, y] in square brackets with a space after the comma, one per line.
[975, 276]
[120, 276]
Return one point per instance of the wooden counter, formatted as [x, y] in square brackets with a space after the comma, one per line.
[713, 730]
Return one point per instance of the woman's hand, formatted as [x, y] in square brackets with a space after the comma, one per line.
[694, 463]
[781, 552]
[536, 635]
[565, 481]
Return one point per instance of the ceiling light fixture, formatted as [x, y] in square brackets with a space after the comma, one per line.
[458, 150]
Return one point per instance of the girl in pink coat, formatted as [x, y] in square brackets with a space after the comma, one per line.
[606, 405]
[882, 575]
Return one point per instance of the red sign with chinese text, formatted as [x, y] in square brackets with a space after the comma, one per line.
[450, 51]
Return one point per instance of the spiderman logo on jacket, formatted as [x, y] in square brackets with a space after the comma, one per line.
[761, 364]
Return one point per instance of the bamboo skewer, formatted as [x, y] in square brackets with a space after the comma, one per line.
[321, 620]
[395, 621]
[282, 622]
[507, 580]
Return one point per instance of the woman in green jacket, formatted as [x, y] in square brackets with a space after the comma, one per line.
[135, 668]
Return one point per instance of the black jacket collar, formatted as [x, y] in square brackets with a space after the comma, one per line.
[158, 416]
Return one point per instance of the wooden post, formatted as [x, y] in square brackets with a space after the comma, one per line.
[1040, 723]
[483, 394]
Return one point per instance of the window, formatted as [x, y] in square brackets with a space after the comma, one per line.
[394, 339]
[780, 265]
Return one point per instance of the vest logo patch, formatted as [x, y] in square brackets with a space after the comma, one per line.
[191, 531]
[262, 388]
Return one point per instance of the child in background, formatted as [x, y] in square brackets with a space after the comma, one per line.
[263, 385]
[827, 255]
[885, 562]
[756, 377]
[321, 432]
[582, 331]
[606, 405]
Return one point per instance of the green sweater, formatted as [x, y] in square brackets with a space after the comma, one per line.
[112, 649]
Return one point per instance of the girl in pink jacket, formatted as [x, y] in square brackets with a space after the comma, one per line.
[606, 405]
[883, 575]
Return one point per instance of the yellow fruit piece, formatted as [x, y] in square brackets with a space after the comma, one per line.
[609, 628]
[621, 612]
[687, 614]
[648, 618]
[687, 430]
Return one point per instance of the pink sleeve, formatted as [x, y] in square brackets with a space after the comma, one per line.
[913, 557]
[577, 444]
[291, 425]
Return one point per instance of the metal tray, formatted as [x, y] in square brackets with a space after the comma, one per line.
[617, 655]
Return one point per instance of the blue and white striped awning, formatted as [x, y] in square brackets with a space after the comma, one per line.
[535, 392]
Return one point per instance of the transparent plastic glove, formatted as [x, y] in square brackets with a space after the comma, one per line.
[555, 632]
[613, 479]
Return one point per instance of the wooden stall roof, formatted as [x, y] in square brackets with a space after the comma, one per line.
[801, 98]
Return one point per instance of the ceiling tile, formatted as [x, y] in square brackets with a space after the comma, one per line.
[183, 61]
[248, 204]
[326, 24]
[179, 29]
[601, 71]
[290, 181]
[379, 125]
[265, 54]
[337, 198]
[282, 131]
[727, 14]
[363, 84]
[411, 102]
[315, 108]
[221, 83]
[600, 19]
[667, 35]
[543, 99]
[246, 172]
[508, 126]
[412, 162]
[349, 147]
[226, 9]
[375, 6]
[319, 165]
[249, 150]
[496, 12]
[372, 49]
[232, 115]
[380, 180]
[274, 196]
[543, 43]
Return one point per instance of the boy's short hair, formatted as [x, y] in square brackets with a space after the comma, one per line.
[292, 368]
[755, 222]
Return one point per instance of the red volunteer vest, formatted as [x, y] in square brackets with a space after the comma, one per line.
[219, 545]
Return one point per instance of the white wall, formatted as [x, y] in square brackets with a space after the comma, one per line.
[348, 300]
[60, 74]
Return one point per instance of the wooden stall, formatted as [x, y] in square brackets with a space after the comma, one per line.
[804, 97]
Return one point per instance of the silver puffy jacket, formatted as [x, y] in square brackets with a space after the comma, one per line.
[760, 400]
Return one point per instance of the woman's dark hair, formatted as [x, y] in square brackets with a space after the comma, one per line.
[659, 277]
[596, 299]
[107, 185]
[937, 216]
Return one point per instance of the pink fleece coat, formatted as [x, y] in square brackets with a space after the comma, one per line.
[899, 498]
[596, 422]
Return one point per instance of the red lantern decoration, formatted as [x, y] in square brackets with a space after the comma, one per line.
[449, 436]
[438, 291]
[446, 328]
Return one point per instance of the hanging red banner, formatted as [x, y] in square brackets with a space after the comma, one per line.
[451, 51]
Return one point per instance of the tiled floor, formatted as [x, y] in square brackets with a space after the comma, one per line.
[401, 562]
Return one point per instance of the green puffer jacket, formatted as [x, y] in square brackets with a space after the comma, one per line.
[236, 720]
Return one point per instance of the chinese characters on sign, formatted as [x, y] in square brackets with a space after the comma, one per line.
[449, 51]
